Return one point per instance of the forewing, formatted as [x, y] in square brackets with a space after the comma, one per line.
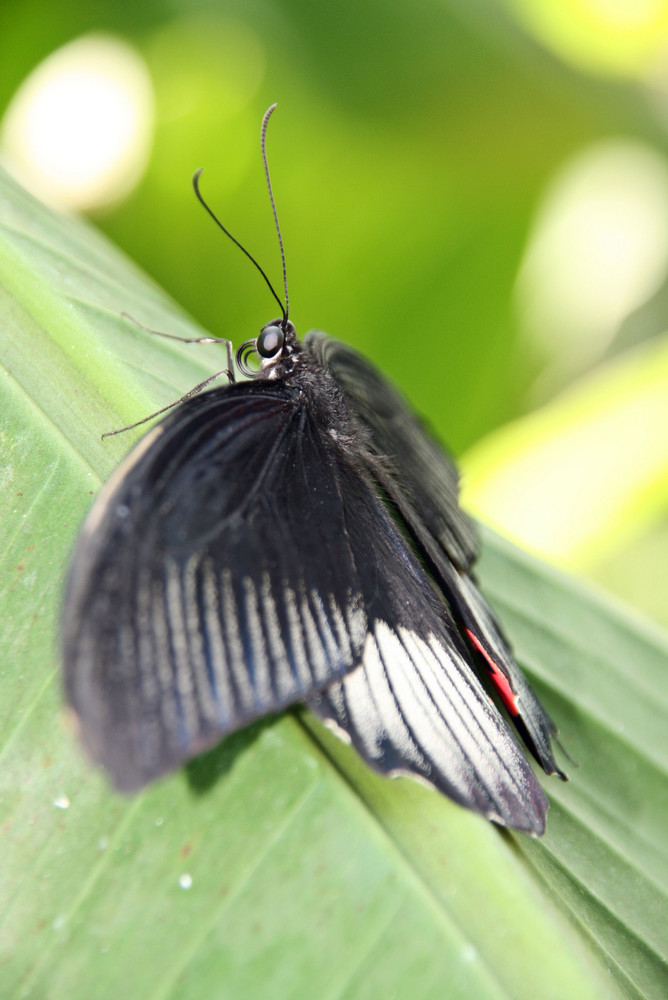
[428, 478]
[485, 636]
[213, 581]
[528, 714]
[423, 484]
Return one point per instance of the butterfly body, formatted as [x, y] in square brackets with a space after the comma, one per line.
[296, 538]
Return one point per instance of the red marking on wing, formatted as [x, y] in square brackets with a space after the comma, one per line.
[501, 682]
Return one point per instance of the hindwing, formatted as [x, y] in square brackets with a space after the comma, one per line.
[422, 483]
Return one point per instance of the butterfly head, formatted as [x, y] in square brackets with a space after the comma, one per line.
[274, 344]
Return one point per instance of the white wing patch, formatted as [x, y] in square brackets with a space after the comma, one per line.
[414, 706]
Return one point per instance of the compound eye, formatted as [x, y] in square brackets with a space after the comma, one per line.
[270, 341]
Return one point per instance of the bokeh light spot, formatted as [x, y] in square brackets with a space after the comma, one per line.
[78, 131]
[604, 36]
[576, 479]
[598, 251]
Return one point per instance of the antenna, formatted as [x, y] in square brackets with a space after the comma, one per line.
[196, 177]
[263, 145]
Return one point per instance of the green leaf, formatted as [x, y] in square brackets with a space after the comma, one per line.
[278, 865]
[551, 478]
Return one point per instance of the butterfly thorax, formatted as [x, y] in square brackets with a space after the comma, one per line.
[316, 390]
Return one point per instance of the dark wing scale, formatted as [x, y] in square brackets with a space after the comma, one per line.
[428, 477]
[421, 481]
[211, 583]
[413, 705]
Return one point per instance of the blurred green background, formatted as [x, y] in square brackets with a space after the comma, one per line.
[472, 192]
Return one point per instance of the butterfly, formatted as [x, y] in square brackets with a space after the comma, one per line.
[297, 537]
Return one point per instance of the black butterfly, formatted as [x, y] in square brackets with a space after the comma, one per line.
[296, 538]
